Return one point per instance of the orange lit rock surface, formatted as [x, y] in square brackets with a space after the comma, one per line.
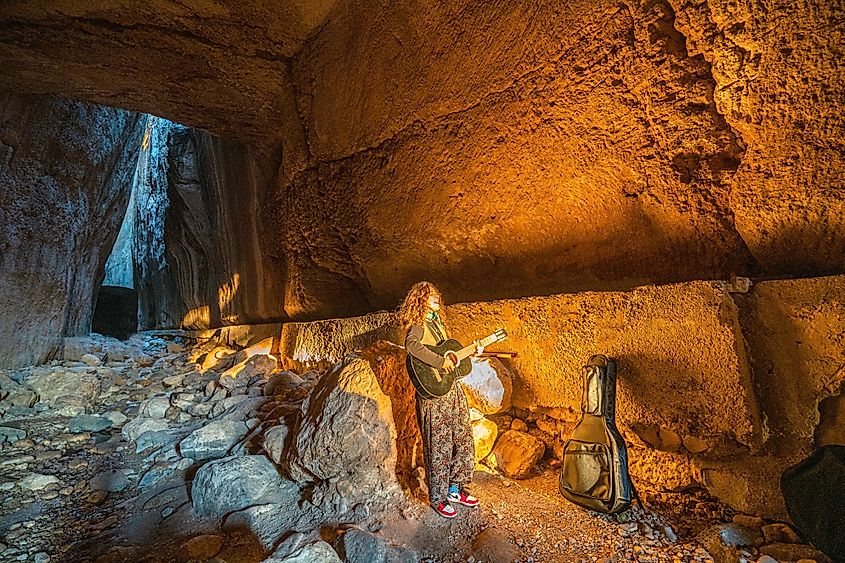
[501, 150]
[700, 369]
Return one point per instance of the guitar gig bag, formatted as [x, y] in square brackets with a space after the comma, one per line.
[594, 472]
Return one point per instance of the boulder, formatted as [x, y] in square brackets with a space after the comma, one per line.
[282, 382]
[316, 552]
[219, 358]
[88, 423]
[516, 453]
[239, 407]
[36, 482]
[240, 375]
[359, 442]
[276, 442]
[15, 394]
[135, 428]
[779, 532]
[235, 483]
[213, 440]
[484, 433]
[269, 522]
[489, 386]
[50, 384]
[387, 361]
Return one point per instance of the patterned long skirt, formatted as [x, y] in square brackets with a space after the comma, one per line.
[448, 447]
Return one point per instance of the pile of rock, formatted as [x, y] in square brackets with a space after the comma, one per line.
[750, 538]
[273, 452]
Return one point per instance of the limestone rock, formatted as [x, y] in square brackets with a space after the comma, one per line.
[37, 482]
[220, 357]
[52, 384]
[87, 423]
[91, 360]
[80, 158]
[359, 444]
[358, 546]
[276, 441]
[176, 227]
[282, 382]
[484, 433]
[135, 428]
[387, 361]
[489, 385]
[316, 552]
[234, 483]
[516, 453]
[155, 407]
[779, 532]
[213, 440]
[240, 375]
[269, 522]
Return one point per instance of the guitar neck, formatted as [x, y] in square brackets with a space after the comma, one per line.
[468, 351]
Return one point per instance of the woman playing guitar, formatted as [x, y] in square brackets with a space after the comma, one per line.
[448, 447]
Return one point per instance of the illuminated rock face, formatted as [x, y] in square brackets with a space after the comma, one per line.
[65, 172]
[700, 367]
[502, 151]
[528, 149]
[198, 248]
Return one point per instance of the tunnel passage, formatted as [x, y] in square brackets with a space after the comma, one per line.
[573, 172]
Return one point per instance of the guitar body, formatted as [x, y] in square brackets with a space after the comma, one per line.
[423, 375]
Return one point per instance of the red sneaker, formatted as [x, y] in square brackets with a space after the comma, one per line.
[463, 498]
[446, 510]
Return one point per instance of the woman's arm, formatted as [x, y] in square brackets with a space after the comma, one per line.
[418, 350]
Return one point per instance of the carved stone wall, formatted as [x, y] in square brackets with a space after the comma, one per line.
[198, 243]
[65, 172]
[718, 383]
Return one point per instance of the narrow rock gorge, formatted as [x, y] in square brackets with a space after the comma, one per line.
[210, 212]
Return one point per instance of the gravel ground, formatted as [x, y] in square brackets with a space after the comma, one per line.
[529, 521]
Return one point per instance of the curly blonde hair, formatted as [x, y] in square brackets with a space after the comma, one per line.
[414, 307]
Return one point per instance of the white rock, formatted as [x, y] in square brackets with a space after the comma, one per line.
[489, 385]
[36, 481]
[91, 360]
[212, 440]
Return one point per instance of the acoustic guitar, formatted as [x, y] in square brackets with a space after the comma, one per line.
[431, 382]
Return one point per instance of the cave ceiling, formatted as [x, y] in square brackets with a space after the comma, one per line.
[219, 66]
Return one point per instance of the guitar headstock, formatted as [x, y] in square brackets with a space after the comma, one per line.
[500, 334]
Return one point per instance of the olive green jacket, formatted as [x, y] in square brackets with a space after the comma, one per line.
[431, 332]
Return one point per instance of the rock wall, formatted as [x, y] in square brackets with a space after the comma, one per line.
[719, 384]
[198, 243]
[507, 150]
[215, 66]
[780, 85]
[530, 148]
[65, 171]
